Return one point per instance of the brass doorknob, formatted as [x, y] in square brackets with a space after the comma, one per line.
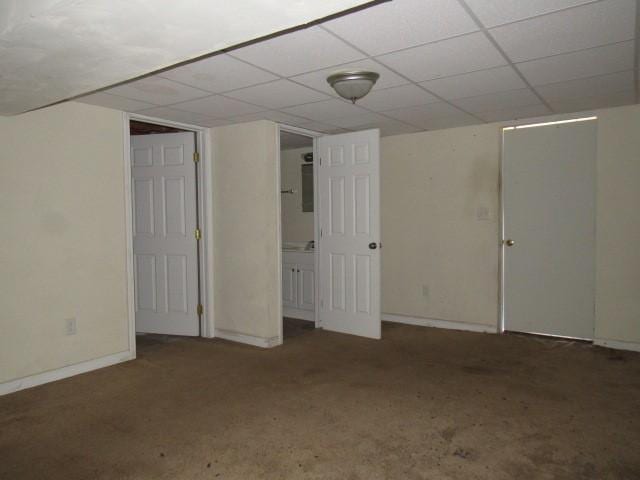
[509, 243]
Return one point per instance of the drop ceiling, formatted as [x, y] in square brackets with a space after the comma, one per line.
[52, 50]
[442, 63]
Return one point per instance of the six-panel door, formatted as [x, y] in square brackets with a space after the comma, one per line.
[348, 190]
[164, 222]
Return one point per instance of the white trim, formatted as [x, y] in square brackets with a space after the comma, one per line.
[437, 323]
[207, 325]
[248, 339]
[299, 314]
[128, 218]
[65, 372]
[206, 216]
[617, 344]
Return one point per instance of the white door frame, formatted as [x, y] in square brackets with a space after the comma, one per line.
[316, 229]
[205, 219]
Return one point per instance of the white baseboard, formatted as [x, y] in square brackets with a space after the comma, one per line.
[299, 314]
[64, 372]
[433, 322]
[247, 339]
[617, 344]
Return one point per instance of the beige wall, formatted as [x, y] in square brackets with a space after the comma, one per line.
[439, 261]
[62, 248]
[434, 186]
[297, 226]
[618, 225]
[245, 229]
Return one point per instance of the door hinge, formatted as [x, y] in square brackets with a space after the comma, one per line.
[196, 157]
[200, 310]
[320, 232]
[198, 234]
[320, 161]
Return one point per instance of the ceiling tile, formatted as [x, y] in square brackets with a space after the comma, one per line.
[274, 116]
[433, 116]
[401, 24]
[215, 122]
[217, 106]
[156, 90]
[167, 113]
[587, 87]
[588, 26]
[476, 83]
[586, 63]
[278, 94]
[498, 101]
[318, 79]
[114, 101]
[445, 58]
[496, 12]
[397, 97]
[589, 103]
[356, 121]
[326, 110]
[318, 127]
[389, 126]
[529, 111]
[218, 74]
[298, 52]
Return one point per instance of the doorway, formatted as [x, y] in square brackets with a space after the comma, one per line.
[297, 232]
[548, 189]
[333, 280]
[166, 217]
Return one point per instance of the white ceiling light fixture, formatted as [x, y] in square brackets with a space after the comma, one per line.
[353, 84]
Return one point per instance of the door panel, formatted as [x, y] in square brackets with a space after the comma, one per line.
[289, 285]
[549, 212]
[349, 218]
[164, 244]
[306, 287]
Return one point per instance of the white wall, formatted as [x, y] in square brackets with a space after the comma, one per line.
[62, 248]
[297, 226]
[433, 184]
[245, 223]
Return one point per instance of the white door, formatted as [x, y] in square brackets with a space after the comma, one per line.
[164, 224]
[349, 220]
[549, 183]
[306, 287]
[289, 285]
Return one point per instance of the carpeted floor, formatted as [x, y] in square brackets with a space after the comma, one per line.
[294, 327]
[420, 404]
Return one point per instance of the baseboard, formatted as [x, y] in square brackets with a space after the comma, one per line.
[247, 339]
[437, 323]
[617, 344]
[299, 314]
[64, 372]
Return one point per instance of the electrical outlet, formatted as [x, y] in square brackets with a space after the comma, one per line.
[70, 326]
[425, 291]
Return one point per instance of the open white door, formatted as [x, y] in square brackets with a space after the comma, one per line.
[164, 225]
[349, 220]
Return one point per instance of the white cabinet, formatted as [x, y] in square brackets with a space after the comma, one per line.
[298, 285]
